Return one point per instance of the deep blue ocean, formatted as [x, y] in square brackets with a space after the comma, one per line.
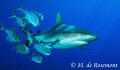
[101, 17]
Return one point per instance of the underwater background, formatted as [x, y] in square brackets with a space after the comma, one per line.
[101, 17]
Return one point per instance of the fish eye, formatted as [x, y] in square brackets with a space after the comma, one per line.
[47, 50]
[40, 15]
[35, 21]
[20, 37]
[39, 58]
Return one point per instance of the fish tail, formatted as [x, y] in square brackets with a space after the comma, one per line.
[20, 7]
[2, 27]
[12, 46]
[14, 14]
[30, 54]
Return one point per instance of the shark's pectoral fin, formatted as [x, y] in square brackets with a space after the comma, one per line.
[58, 19]
[84, 48]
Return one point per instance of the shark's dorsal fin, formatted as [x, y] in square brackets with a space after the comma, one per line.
[58, 19]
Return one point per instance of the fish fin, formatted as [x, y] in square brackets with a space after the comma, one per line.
[15, 22]
[24, 17]
[34, 10]
[84, 48]
[13, 26]
[26, 8]
[20, 7]
[30, 54]
[22, 12]
[2, 27]
[58, 19]
[12, 46]
[27, 43]
[6, 40]
[14, 14]
[17, 52]
[39, 31]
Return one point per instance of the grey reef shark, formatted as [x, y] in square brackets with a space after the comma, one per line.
[62, 36]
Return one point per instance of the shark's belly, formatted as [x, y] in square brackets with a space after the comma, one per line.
[69, 45]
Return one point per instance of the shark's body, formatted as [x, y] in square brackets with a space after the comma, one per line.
[63, 36]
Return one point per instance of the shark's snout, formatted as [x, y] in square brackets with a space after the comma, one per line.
[92, 38]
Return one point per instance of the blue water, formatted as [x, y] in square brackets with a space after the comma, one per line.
[101, 17]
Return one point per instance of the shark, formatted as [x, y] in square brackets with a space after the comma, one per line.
[62, 36]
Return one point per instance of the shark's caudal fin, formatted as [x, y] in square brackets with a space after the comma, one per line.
[14, 14]
[2, 27]
[58, 19]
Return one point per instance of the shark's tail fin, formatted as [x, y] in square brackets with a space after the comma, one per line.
[20, 7]
[2, 27]
[14, 14]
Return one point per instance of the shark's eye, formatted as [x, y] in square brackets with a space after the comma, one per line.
[35, 21]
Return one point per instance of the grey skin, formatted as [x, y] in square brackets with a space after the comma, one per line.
[63, 36]
[11, 32]
[19, 19]
[30, 16]
[21, 48]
